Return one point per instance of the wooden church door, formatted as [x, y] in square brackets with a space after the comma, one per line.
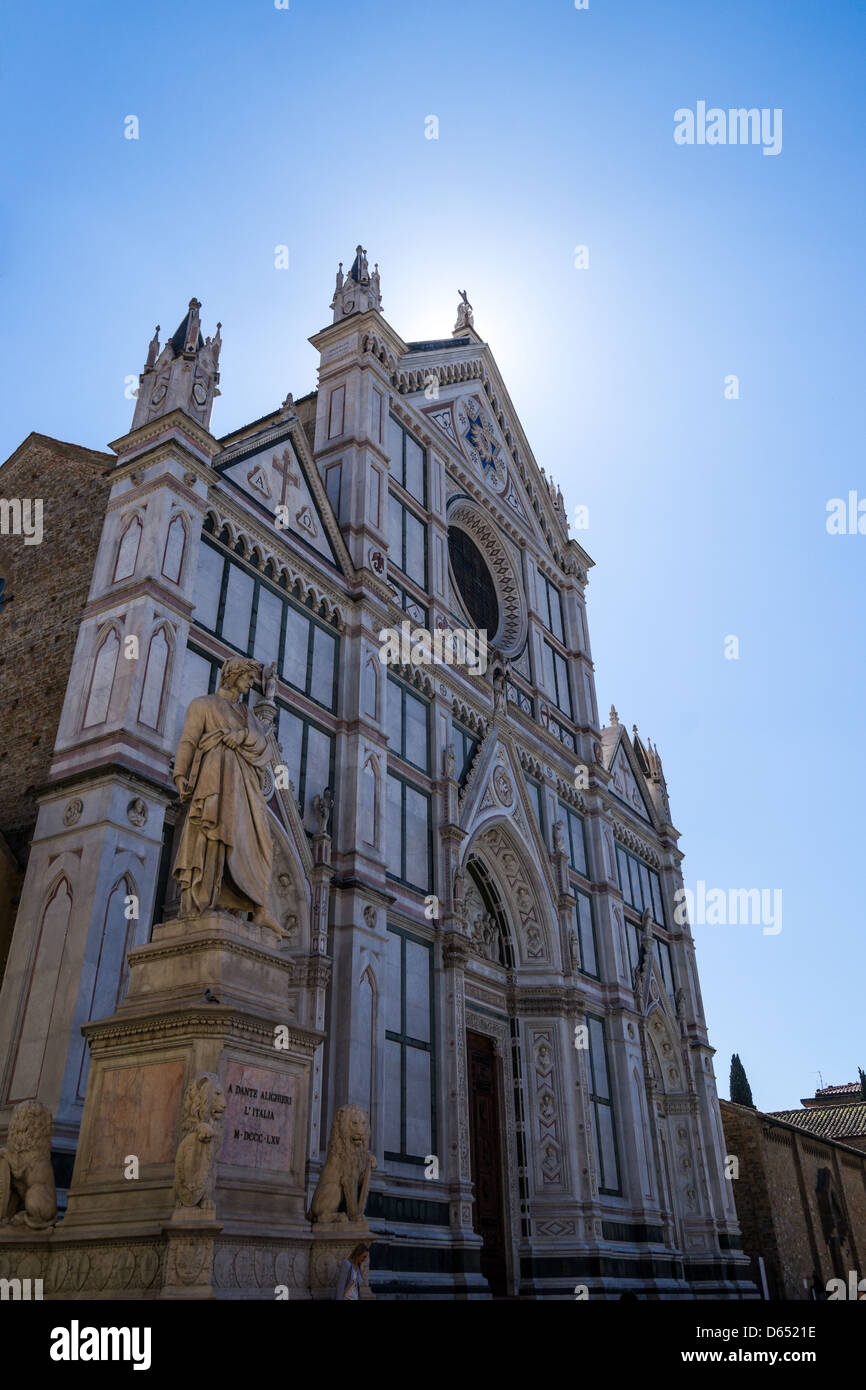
[486, 1155]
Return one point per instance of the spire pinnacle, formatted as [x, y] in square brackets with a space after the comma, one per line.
[152, 350]
[183, 375]
[358, 291]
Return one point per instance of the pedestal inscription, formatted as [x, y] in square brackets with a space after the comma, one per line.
[260, 1117]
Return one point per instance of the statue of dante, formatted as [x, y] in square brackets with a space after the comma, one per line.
[225, 853]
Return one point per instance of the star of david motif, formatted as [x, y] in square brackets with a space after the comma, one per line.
[476, 429]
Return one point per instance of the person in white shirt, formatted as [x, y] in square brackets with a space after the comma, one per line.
[349, 1282]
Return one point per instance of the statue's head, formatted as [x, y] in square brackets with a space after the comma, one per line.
[351, 1128]
[203, 1101]
[30, 1130]
[238, 675]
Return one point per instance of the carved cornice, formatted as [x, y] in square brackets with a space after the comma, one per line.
[193, 945]
[139, 492]
[311, 972]
[634, 842]
[455, 950]
[678, 1105]
[407, 380]
[217, 1021]
[542, 1000]
[566, 791]
[154, 431]
[286, 559]
[252, 443]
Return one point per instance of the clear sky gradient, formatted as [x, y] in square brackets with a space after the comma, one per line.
[306, 127]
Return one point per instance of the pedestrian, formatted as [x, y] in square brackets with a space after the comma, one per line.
[349, 1282]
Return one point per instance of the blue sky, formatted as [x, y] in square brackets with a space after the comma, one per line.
[261, 127]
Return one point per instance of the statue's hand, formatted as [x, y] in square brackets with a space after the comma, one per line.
[232, 740]
[373, 1163]
[183, 787]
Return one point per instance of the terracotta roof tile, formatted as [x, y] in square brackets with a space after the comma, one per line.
[830, 1122]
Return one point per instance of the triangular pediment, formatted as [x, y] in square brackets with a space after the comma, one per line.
[276, 471]
[458, 391]
[626, 780]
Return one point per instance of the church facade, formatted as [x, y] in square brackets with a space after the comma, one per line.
[475, 876]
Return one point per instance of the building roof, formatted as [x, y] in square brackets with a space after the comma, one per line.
[438, 343]
[64, 452]
[178, 339]
[834, 1095]
[828, 1122]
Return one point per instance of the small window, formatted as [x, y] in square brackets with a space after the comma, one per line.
[551, 607]
[556, 678]
[257, 620]
[409, 1057]
[465, 747]
[308, 752]
[575, 840]
[585, 933]
[408, 830]
[407, 726]
[407, 541]
[408, 461]
[640, 885]
[208, 586]
[602, 1107]
[536, 797]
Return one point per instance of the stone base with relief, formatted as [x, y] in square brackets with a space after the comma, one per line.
[190, 1175]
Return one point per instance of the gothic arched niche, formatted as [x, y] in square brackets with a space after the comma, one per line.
[665, 1060]
[523, 903]
[486, 921]
[290, 902]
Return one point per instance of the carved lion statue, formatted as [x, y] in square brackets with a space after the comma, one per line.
[195, 1163]
[346, 1174]
[28, 1195]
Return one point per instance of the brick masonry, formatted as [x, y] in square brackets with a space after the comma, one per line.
[46, 588]
[804, 1235]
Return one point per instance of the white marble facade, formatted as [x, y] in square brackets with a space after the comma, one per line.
[483, 922]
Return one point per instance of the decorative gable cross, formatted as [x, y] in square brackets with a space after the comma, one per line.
[283, 466]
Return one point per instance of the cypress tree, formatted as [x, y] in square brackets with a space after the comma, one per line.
[862, 1083]
[741, 1091]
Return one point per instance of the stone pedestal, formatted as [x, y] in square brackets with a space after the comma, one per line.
[124, 1233]
[331, 1245]
[190, 1250]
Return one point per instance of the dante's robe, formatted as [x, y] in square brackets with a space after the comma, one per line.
[225, 852]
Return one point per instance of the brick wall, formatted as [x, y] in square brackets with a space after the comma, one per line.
[46, 588]
[780, 1212]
